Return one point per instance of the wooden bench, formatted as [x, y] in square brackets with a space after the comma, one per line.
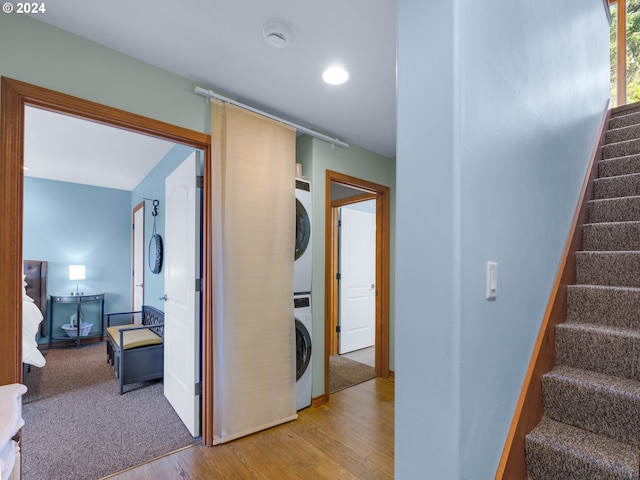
[135, 345]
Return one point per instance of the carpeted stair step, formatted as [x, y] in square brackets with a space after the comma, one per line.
[615, 187]
[624, 120]
[624, 209]
[619, 166]
[621, 269]
[621, 149]
[622, 134]
[555, 451]
[600, 403]
[611, 236]
[599, 348]
[614, 306]
[626, 110]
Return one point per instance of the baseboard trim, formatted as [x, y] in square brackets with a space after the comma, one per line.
[320, 400]
[529, 409]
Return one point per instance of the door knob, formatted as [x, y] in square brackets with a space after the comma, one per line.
[373, 285]
[164, 297]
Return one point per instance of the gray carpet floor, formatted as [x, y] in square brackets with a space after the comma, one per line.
[345, 373]
[78, 426]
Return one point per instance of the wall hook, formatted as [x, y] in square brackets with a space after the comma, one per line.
[155, 205]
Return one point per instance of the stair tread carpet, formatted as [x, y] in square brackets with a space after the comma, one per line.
[621, 268]
[607, 305]
[631, 108]
[588, 347]
[621, 149]
[600, 403]
[615, 187]
[619, 166]
[621, 134]
[562, 452]
[625, 209]
[624, 120]
[608, 236]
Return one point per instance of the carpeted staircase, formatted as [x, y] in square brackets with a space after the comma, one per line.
[591, 424]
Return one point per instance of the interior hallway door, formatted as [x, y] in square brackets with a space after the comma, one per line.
[357, 291]
[182, 301]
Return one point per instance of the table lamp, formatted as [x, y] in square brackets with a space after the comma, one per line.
[77, 273]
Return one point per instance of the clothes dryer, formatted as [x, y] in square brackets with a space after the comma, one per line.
[302, 314]
[302, 263]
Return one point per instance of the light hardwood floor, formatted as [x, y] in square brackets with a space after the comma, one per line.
[351, 437]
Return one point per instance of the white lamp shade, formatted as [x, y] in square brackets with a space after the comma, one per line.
[76, 272]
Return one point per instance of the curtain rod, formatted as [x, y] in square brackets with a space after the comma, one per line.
[326, 138]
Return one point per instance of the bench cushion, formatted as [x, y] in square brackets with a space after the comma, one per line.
[134, 338]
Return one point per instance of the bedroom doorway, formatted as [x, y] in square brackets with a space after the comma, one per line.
[16, 96]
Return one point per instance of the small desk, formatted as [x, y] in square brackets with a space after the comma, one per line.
[78, 300]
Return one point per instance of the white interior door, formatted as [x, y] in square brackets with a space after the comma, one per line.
[182, 302]
[138, 258]
[357, 293]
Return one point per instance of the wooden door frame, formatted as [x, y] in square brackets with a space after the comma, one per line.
[15, 95]
[383, 229]
[140, 206]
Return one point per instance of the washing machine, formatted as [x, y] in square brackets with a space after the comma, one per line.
[302, 314]
[302, 265]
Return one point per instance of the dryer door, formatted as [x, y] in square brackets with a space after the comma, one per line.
[303, 229]
[303, 349]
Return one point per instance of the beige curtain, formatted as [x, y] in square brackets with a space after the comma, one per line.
[254, 241]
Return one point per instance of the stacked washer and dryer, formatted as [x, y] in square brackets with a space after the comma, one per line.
[302, 293]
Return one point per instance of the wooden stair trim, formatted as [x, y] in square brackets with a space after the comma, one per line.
[529, 409]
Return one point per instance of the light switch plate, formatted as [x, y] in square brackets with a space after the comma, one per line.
[492, 280]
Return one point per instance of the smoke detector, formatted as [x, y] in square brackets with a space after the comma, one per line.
[276, 34]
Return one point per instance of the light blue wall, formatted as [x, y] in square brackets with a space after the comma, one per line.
[316, 157]
[152, 186]
[498, 109]
[66, 223]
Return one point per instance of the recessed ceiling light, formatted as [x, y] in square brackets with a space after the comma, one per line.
[335, 75]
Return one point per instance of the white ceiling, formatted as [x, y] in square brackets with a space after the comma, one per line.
[220, 46]
[68, 149]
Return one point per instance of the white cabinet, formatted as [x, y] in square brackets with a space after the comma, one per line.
[10, 422]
